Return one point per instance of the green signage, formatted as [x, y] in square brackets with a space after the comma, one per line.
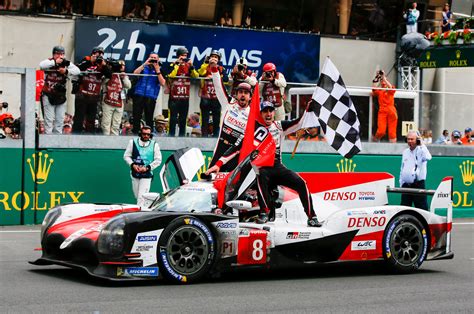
[447, 57]
[86, 175]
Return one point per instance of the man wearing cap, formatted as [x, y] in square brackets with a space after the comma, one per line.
[413, 170]
[180, 85]
[93, 70]
[142, 155]
[467, 138]
[113, 101]
[210, 105]
[53, 97]
[269, 178]
[456, 138]
[235, 118]
[147, 90]
[272, 86]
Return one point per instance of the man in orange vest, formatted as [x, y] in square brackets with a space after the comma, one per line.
[387, 115]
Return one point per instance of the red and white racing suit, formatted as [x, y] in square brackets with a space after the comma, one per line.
[233, 125]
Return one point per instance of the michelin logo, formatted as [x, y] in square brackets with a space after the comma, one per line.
[142, 271]
[147, 238]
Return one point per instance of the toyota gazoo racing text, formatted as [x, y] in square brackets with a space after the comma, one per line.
[183, 235]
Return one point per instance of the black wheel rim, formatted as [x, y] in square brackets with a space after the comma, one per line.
[406, 243]
[187, 250]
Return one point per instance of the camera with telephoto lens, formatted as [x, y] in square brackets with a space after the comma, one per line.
[99, 59]
[59, 88]
[4, 105]
[240, 67]
[114, 65]
[64, 64]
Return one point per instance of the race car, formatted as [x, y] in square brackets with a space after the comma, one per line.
[184, 235]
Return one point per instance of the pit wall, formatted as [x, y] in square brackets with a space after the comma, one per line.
[101, 175]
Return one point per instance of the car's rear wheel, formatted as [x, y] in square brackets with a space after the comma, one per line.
[405, 244]
[186, 250]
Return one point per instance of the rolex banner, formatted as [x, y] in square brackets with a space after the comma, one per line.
[447, 57]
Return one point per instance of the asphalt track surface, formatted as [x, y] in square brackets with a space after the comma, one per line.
[439, 286]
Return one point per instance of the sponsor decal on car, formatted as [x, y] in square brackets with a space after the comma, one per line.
[387, 240]
[137, 271]
[380, 212]
[147, 238]
[144, 248]
[298, 235]
[339, 196]
[443, 195]
[367, 196]
[356, 213]
[244, 232]
[363, 245]
[362, 222]
[425, 241]
[228, 248]
[226, 225]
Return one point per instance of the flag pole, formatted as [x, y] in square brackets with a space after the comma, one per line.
[299, 135]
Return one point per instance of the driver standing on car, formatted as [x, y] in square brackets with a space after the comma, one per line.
[413, 170]
[143, 155]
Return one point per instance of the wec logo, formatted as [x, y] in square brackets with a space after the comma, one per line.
[363, 245]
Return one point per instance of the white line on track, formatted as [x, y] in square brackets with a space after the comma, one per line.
[19, 231]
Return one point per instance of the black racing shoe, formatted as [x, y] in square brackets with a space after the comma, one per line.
[313, 222]
[262, 218]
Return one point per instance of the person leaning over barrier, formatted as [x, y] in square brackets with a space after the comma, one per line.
[53, 96]
[147, 90]
[413, 170]
[143, 155]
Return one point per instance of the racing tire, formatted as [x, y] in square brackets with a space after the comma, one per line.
[186, 250]
[405, 244]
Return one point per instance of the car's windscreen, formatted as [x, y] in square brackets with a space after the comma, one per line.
[185, 201]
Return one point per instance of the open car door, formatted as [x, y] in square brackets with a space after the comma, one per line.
[181, 167]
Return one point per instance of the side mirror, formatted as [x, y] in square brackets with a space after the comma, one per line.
[149, 200]
[239, 205]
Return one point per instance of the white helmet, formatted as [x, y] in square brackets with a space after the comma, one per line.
[242, 61]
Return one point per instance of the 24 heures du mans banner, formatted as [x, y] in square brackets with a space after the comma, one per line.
[296, 55]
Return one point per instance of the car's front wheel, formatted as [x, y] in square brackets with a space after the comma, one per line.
[405, 244]
[186, 250]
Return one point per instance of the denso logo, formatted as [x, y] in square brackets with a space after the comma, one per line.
[361, 222]
[226, 225]
[236, 122]
[339, 196]
[146, 238]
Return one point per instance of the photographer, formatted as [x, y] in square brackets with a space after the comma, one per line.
[272, 85]
[387, 114]
[147, 90]
[114, 96]
[240, 74]
[413, 170]
[179, 80]
[88, 87]
[53, 96]
[209, 103]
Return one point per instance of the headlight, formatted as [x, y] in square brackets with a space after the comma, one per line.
[49, 219]
[111, 238]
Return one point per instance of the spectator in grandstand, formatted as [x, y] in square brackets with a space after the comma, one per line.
[413, 170]
[142, 155]
[446, 22]
[132, 9]
[113, 98]
[160, 11]
[145, 10]
[161, 125]
[411, 17]
[87, 88]
[240, 74]
[467, 138]
[193, 123]
[51, 7]
[444, 138]
[147, 90]
[226, 19]
[456, 138]
[387, 114]
[210, 105]
[272, 86]
[53, 97]
[248, 18]
[179, 81]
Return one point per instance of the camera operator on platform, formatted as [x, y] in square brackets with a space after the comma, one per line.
[147, 90]
[87, 90]
[53, 96]
[413, 170]
[387, 115]
[272, 85]
[241, 74]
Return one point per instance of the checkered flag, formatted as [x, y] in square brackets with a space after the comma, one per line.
[336, 112]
